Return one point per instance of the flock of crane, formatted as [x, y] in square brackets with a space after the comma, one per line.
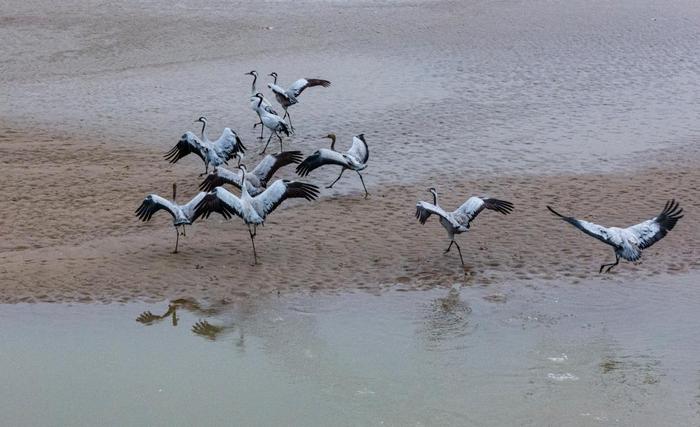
[258, 198]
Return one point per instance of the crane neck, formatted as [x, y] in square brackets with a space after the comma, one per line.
[435, 198]
[259, 101]
[204, 126]
[332, 137]
[253, 90]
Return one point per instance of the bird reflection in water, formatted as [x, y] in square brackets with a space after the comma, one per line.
[202, 327]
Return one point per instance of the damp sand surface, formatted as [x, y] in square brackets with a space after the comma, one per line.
[590, 107]
[540, 353]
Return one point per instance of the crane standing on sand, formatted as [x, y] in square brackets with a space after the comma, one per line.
[182, 214]
[253, 210]
[354, 159]
[459, 221]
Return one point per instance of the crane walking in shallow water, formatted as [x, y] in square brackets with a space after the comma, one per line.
[354, 159]
[458, 221]
[288, 97]
[253, 210]
[629, 242]
[182, 214]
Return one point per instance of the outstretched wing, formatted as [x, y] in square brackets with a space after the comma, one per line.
[474, 205]
[228, 144]
[425, 209]
[219, 201]
[279, 90]
[152, 204]
[272, 162]
[281, 190]
[188, 143]
[359, 149]
[598, 231]
[653, 230]
[189, 207]
[218, 177]
[321, 157]
[298, 86]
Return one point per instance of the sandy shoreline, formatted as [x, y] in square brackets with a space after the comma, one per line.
[590, 107]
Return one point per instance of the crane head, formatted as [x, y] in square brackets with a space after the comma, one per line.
[251, 73]
[201, 119]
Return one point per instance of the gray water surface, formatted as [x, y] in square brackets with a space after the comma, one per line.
[522, 354]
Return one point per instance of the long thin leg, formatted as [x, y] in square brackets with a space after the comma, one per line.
[252, 239]
[291, 126]
[448, 248]
[460, 253]
[268, 143]
[177, 239]
[363, 184]
[336, 180]
[610, 266]
[280, 138]
[183, 231]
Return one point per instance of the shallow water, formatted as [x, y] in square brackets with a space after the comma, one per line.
[585, 354]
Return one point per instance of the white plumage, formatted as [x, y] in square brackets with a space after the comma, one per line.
[214, 153]
[354, 159]
[253, 210]
[271, 121]
[629, 242]
[266, 105]
[459, 220]
[182, 214]
[257, 179]
[288, 97]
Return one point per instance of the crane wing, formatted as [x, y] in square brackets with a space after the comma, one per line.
[228, 144]
[219, 201]
[188, 143]
[272, 162]
[218, 177]
[359, 148]
[280, 191]
[152, 204]
[321, 157]
[277, 89]
[653, 230]
[425, 209]
[598, 231]
[189, 208]
[298, 86]
[474, 205]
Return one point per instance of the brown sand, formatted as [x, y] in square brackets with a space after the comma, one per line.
[591, 107]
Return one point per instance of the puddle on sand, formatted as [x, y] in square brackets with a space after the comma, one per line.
[565, 355]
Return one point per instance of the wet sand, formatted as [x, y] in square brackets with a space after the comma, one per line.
[591, 107]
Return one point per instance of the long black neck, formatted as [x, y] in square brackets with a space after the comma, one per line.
[260, 101]
[255, 78]
[332, 143]
[204, 125]
[434, 197]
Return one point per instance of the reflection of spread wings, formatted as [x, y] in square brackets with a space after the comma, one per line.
[207, 330]
[148, 318]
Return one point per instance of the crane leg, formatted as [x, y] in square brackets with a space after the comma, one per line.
[183, 231]
[363, 184]
[280, 138]
[252, 239]
[177, 239]
[336, 180]
[610, 266]
[448, 248]
[268, 143]
[460, 253]
[291, 126]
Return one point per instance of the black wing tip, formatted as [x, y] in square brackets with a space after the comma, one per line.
[670, 215]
